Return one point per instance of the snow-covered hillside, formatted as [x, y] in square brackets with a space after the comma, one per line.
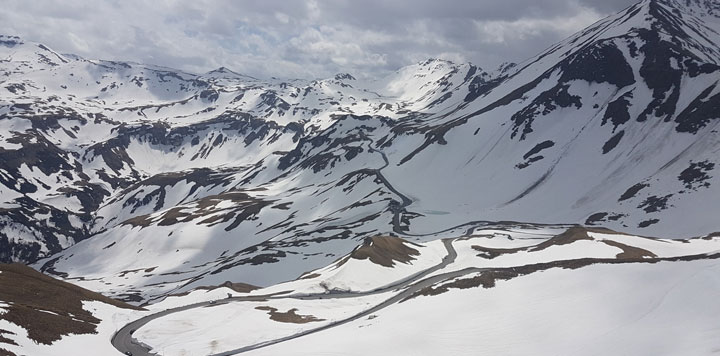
[548, 290]
[530, 289]
[141, 181]
[87, 145]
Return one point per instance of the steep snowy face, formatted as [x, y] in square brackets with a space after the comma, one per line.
[694, 24]
[708, 10]
[176, 180]
[615, 126]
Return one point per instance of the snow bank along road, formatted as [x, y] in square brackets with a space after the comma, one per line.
[124, 341]
[406, 288]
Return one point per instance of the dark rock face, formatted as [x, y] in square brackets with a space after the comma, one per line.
[344, 76]
[479, 87]
[328, 148]
[632, 191]
[654, 203]
[12, 251]
[601, 63]
[210, 95]
[539, 147]
[544, 104]
[700, 112]
[612, 142]
[599, 218]
[56, 225]
[660, 76]
[617, 111]
[649, 222]
[696, 176]
[530, 157]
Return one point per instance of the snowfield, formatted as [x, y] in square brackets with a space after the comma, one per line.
[638, 309]
[564, 205]
[611, 304]
[214, 329]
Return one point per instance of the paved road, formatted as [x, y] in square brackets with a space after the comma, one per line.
[124, 342]
[405, 201]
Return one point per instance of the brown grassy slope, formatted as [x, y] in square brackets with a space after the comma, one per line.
[385, 250]
[629, 252]
[571, 235]
[238, 287]
[46, 307]
[289, 316]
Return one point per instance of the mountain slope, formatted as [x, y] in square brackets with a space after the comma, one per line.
[539, 275]
[175, 180]
[89, 144]
[38, 312]
[613, 126]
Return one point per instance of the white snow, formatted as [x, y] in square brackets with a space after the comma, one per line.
[224, 327]
[639, 309]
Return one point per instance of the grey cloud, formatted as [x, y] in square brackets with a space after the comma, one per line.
[311, 38]
[609, 5]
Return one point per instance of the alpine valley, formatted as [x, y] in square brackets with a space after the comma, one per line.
[565, 205]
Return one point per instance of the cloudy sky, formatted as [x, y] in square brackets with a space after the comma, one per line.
[303, 39]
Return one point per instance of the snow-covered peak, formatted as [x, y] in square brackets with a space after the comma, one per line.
[416, 81]
[226, 73]
[432, 68]
[16, 53]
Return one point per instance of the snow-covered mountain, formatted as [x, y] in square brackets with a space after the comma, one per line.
[535, 289]
[88, 144]
[174, 180]
[301, 217]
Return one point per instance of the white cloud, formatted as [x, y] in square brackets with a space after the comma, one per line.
[298, 38]
[525, 28]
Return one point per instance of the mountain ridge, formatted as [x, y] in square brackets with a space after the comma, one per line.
[199, 177]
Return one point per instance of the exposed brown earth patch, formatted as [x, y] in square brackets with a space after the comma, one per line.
[573, 234]
[4, 352]
[576, 233]
[47, 308]
[244, 207]
[385, 251]
[629, 252]
[289, 316]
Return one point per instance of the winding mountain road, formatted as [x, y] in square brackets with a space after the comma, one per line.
[124, 342]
